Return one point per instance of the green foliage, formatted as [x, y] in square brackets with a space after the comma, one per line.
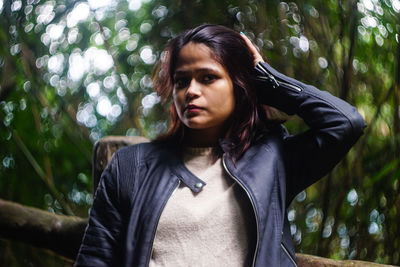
[75, 71]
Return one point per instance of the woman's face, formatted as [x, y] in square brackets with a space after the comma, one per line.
[203, 90]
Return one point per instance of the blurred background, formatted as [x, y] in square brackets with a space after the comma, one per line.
[75, 71]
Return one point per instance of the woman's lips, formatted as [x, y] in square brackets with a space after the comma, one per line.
[192, 108]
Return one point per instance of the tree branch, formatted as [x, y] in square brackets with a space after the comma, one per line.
[41, 173]
[347, 65]
[59, 233]
[314, 261]
[396, 114]
[7, 77]
[361, 145]
[28, 59]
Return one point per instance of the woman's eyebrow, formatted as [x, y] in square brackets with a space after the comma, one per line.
[183, 72]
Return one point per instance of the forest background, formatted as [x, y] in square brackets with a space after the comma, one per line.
[73, 72]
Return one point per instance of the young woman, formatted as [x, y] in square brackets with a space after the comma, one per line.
[214, 189]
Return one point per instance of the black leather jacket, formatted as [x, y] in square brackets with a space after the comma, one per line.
[139, 180]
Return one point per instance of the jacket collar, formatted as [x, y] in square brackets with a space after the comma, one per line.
[179, 169]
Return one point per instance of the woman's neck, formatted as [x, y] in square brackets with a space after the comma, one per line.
[203, 137]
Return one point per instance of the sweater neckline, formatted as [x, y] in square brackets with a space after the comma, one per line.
[199, 151]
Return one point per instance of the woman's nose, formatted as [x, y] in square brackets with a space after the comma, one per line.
[194, 89]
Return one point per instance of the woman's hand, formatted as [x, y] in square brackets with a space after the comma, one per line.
[253, 49]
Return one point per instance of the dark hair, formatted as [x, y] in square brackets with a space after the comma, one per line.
[231, 51]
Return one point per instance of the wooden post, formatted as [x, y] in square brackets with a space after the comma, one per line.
[105, 148]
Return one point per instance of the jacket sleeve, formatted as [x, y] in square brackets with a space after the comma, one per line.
[334, 126]
[100, 245]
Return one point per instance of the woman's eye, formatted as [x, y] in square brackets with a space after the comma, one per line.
[209, 78]
[181, 82]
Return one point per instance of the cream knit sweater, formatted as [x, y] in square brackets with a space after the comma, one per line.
[206, 228]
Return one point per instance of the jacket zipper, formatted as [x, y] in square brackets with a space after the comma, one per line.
[158, 220]
[288, 254]
[274, 79]
[298, 89]
[252, 203]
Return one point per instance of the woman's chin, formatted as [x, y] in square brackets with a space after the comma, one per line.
[196, 123]
[193, 125]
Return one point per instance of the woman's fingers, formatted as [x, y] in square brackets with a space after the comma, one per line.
[253, 49]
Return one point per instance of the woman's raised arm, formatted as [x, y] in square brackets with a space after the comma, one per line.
[335, 125]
